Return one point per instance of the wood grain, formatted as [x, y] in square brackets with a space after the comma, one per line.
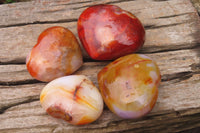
[172, 40]
[172, 66]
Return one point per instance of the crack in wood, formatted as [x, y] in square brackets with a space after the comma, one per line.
[149, 27]
[50, 11]
[28, 100]
[16, 62]
[120, 1]
[30, 81]
[39, 22]
[195, 67]
[170, 48]
[180, 76]
[176, 15]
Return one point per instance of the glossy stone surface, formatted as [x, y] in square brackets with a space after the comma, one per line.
[57, 53]
[108, 32]
[129, 85]
[72, 98]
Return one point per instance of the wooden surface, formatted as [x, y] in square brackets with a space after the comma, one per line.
[172, 40]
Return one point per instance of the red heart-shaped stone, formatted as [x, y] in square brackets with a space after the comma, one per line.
[108, 32]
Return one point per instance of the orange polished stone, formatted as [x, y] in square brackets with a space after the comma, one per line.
[108, 32]
[129, 85]
[57, 53]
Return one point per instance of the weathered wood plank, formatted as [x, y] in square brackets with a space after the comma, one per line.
[177, 63]
[178, 100]
[16, 95]
[50, 11]
[178, 24]
[176, 94]
[171, 110]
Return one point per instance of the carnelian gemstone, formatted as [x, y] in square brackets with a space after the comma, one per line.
[129, 85]
[73, 98]
[56, 54]
[108, 32]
